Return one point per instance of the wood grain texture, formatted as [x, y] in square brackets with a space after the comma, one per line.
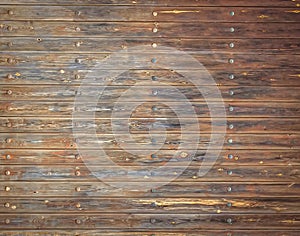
[171, 30]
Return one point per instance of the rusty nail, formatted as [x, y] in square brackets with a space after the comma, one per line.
[78, 205]
[10, 60]
[10, 76]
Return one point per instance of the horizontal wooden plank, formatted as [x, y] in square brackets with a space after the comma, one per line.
[102, 45]
[120, 157]
[209, 60]
[171, 232]
[156, 125]
[174, 189]
[229, 77]
[150, 205]
[142, 13]
[147, 142]
[146, 174]
[173, 30]
[149, 221]
[216, 3]
[104, 109]
[156, 93]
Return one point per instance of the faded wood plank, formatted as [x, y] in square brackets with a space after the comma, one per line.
[149, 221]
[68, 76]
[174, 189]
[147, 142]
[143, 125]
[216, 3]
[209, 60]
[122, 29]
[155, 94]
[104, 109]
[145, 14]
[120, 157]
[146, 174]
[102, 45]
[150, 205]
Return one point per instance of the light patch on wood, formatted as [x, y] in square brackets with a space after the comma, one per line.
[173, 202]
[294, 11]
[290, 221]
[178, 11]
[262, 16]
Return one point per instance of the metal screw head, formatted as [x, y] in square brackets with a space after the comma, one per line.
[77, 13]
[230, 140]
[154, 108]
[8, 156]
[153, 60]
[231, 29]
[7, 205]
[7, 172]
[152, 220]
[10, 12]
[77, 29]
[154, 78]
[230, 156]
[231, 92]
[77, 189]
[7, 221]
[229, 221]
[229, 172]
[153, 156]
[231, 76]
[78, 205]
[229, 204]
[77, 156]
[154, 30]
[10, 76]
[154, 92]
[231, 60]
[231, 126]
[7, 188]
[77, 76]
[231, 45]
[154, 13]
[9, 44]
[231, 13]
[153, 204]
[9, 92]
[77, 44]
[229, 189]
[231, 108]
[9, 28]
[77, 60]
[8, 140]
[77, 173]
[154, 45]
[77, 221]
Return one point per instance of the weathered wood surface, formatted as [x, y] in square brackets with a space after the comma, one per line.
[24, 76]
[234, 109]
[216, 3]
[210, 60]
[146, 141]
[142, 13]
[164, 29]
[191, 46]
[149, 221]
[143, 125]
[192, 189]
[150, 205]
[142, 174]
[172, 232]
[155, 93]
[120, 157]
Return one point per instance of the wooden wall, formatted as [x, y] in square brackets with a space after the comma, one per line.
[47, 49]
